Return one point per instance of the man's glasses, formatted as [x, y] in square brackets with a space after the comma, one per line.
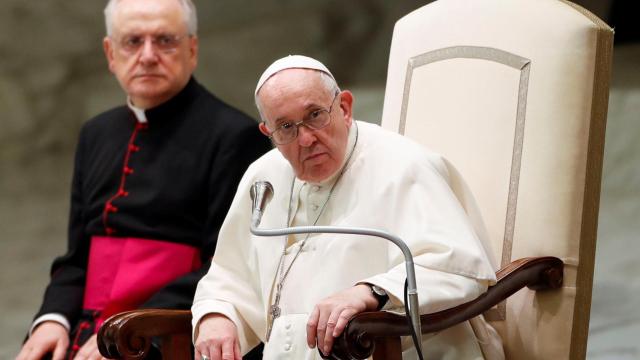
[315, 120]
[166, 43]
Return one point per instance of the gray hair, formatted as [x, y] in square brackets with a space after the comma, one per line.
[327, 80]
[188, 11]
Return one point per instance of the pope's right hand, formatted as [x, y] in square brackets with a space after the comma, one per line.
[47, 337]
[217, 339]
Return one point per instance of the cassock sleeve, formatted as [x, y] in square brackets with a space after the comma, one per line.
[451, 265]
[233, 156]
[231, 287]
[65, 292]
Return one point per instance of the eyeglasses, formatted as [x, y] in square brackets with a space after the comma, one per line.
[166, 43]
[315, 120]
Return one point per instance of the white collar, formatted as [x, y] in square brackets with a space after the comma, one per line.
[138, 112]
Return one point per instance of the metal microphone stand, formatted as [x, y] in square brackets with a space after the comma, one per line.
[261, 193]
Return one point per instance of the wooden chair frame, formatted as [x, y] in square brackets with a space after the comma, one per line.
[128, 335]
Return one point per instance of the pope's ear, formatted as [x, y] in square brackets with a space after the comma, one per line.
[263, 129]
[346, 104]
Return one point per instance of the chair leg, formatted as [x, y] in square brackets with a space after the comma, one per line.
[388, 349]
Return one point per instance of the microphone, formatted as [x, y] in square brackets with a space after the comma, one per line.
[261, 193]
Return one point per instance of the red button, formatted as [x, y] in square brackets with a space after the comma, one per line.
[134, 148]
[128, 170]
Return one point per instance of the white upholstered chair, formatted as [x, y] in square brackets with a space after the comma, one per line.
[514, 93]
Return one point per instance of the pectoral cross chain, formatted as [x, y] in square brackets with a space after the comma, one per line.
[274, 310]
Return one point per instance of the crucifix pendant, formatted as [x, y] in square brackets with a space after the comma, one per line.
[274, 313]
[274, 310]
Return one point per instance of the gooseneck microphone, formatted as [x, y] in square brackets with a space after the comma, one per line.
[261, 193]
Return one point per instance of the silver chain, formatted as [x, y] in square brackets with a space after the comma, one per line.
[275, 308]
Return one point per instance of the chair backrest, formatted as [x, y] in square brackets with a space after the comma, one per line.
[514, 93]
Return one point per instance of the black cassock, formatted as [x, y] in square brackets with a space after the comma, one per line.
[137, 187]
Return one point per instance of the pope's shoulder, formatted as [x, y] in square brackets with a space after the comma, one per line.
[384, 144]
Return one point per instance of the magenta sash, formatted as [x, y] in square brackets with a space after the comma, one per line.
[124, 272]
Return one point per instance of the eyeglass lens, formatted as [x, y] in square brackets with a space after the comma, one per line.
[163, 42]
[315, 120]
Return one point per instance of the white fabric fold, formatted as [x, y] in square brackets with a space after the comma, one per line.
[390, 184]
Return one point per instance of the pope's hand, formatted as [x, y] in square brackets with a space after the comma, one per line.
[330, 316]
[217, 339]
[49, 336]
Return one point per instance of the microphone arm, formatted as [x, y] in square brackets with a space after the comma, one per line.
[263, 191]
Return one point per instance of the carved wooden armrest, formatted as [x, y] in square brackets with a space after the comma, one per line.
[128, 335]
[358, 339]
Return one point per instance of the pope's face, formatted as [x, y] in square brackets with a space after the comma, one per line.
[150, 51]
[291, 95]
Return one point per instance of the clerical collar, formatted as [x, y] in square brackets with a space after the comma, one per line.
[170, 108]
[138, 112]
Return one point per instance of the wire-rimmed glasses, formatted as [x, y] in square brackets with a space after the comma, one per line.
[315, 120]
[166, 43]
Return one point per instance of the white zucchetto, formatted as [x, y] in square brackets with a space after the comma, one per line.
[291, 62]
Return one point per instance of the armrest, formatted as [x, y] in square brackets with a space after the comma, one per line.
[358, 339]
[128, 335]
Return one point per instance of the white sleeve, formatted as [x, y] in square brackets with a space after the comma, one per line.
[437, 290]
[230, 287]
[451, 263]
[59, 318]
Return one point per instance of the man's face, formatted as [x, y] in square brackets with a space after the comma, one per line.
[288, 97]
[152, 72]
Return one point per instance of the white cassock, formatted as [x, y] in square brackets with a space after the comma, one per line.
[389, 183]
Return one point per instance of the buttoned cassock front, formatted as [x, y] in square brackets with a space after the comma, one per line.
[390, 183]
[144, 189]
